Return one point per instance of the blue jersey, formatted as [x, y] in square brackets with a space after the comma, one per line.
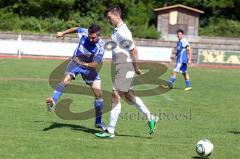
[86, 51]
[182, 51]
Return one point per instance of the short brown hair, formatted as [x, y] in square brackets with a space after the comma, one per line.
[180, 31]
[115, 9]
[94, 28]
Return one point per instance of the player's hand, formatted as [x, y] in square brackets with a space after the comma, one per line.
[75, 59]
[138, 71]
[189, 62]
[172, 57]
[60, 35]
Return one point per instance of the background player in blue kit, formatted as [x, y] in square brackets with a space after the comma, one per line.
[86, 58]
[184, 56]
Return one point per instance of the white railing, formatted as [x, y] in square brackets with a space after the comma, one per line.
[26, 47]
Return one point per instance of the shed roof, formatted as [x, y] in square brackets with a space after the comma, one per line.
[179, 6]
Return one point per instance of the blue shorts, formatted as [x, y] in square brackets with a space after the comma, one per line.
[88, 75]
[180, 67]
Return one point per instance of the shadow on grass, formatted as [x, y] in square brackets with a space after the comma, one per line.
[55, 125]
[234, 132]
[198, 157]
[135, 136]
[178, 88]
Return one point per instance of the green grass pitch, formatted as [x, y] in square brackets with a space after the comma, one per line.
[211, 110]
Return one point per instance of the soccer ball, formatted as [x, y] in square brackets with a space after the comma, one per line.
[204, 148]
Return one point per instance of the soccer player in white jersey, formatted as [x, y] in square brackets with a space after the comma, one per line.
[184, 57]
[125, 61]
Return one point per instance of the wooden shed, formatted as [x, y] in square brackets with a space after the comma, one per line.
[172, 18]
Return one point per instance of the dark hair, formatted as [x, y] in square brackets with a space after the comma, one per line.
[94, 28]
[115, 9]
[180, 31]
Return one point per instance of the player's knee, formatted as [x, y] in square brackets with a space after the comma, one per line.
[115, 98]
[66, 80]
[174, 74]
[98, 94]
[130, 97]
[185, 74]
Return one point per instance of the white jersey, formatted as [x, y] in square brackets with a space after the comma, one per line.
[122, 37]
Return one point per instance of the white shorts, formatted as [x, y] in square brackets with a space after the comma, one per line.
[124, 77]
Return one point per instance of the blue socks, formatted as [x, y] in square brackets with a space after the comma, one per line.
[188, 83]
[98, 104]
[171, 80]
[58, 92]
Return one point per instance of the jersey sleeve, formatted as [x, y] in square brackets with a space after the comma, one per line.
[127, 40]
[185, 43]
[82, 31]
[99, 55]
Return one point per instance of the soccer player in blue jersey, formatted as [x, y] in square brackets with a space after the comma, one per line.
[184, 56]
[86, 58]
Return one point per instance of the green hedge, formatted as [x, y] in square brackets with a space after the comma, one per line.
[221, 27]
[15, 23]
[49, 16]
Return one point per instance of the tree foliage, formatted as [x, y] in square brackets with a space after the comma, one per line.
[49, 16]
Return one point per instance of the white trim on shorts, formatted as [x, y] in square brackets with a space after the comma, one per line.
[177, 68]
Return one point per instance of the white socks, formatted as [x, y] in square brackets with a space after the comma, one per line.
[116, 110]
[142, 108]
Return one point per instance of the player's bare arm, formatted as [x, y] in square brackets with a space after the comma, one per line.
[174, 53]
[90, 64]
[134, 57]
[68, 31]
[189, 52]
